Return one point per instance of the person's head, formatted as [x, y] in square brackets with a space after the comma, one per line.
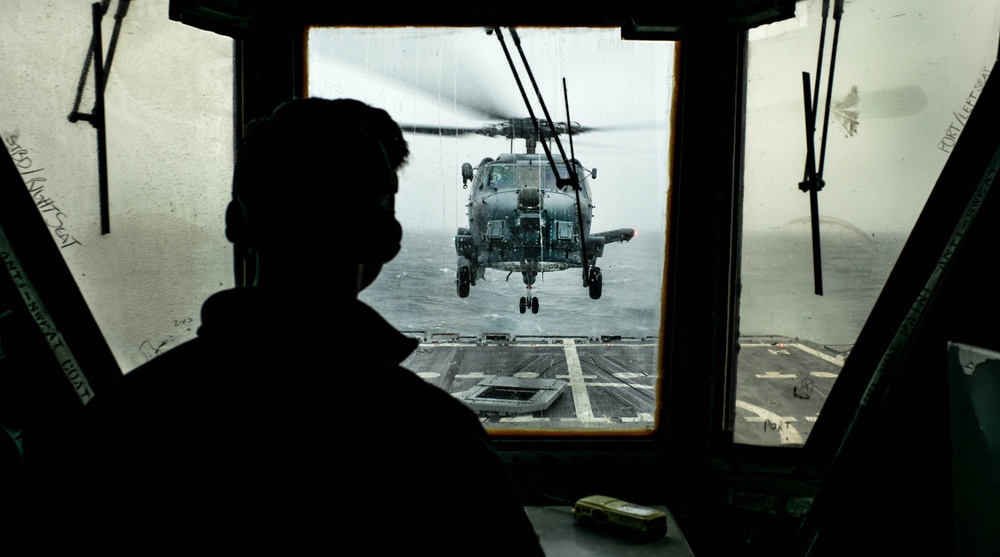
[313, 193]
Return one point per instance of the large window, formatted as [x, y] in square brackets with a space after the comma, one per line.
[906, 76]
[146, 266]
[492, 279]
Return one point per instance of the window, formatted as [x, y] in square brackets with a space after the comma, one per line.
[906, 77]
[169, 128]
[492, 280]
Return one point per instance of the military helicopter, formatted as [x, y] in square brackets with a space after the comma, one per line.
[528, 212]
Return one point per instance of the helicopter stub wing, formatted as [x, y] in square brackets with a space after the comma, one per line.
[616, 235]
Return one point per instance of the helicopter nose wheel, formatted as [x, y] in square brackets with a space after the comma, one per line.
[596, 283]
[528, 301]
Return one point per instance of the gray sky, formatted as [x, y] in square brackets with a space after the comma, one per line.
[461, 77]
[914, 64]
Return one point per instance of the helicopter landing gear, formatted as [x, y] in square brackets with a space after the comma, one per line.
[596, 283]
[463, 281]
[528, 301]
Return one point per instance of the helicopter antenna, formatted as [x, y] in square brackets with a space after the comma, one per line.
[569, 123]
[571, 179]
[517, 42]
[576, 187]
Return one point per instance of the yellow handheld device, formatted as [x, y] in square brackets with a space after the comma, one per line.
[621, 516]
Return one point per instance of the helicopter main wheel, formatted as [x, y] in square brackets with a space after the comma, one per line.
[463, 281]
[524, 304]
[534, 305]
[596, 283]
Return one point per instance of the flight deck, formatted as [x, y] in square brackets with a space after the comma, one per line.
[562, 383]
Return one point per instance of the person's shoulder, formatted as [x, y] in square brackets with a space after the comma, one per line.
[156, 378]
[409, 390]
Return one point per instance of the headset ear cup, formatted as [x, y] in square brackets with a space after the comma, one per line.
[384, 241]
[236, 226]
[238, 232]
[394, 239]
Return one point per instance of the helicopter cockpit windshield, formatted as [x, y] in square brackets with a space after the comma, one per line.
[510, 176]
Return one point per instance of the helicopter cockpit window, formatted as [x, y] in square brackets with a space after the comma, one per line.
[550, 322]
[542, 175]
[905, 73]
[502, 177]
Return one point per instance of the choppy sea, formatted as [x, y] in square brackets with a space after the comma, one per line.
[416, 290]
[779, 287]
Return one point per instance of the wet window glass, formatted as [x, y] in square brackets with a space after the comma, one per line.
[147, 251]
[892, 83]
[533, 328]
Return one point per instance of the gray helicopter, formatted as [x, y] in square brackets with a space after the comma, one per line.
[528, 212]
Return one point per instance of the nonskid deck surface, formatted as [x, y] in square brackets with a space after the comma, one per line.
[611, 383]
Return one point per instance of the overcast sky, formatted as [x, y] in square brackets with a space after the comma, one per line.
[461, 77]
[913, 65]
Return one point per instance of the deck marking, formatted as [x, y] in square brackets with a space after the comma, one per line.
[620, 385]
[776, 352]
[823, 374]
[581, 400]
[600, 424]
[641, 417]
[789, 435]
[776, 375]
[835, 360]
[777, 420]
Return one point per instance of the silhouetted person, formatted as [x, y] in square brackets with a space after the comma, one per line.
[288, 423]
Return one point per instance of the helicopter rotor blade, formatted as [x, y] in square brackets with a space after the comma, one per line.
[440, 130]
[511, 128]
[458, 82]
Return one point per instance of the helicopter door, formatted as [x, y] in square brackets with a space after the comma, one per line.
[495, 229]
[564, 230]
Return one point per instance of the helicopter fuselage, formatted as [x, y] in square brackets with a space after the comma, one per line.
[521, 220]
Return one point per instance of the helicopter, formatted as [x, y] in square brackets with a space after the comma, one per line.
[528, 212]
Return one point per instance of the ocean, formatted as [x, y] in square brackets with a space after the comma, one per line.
[416, 290]
[778, 294]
